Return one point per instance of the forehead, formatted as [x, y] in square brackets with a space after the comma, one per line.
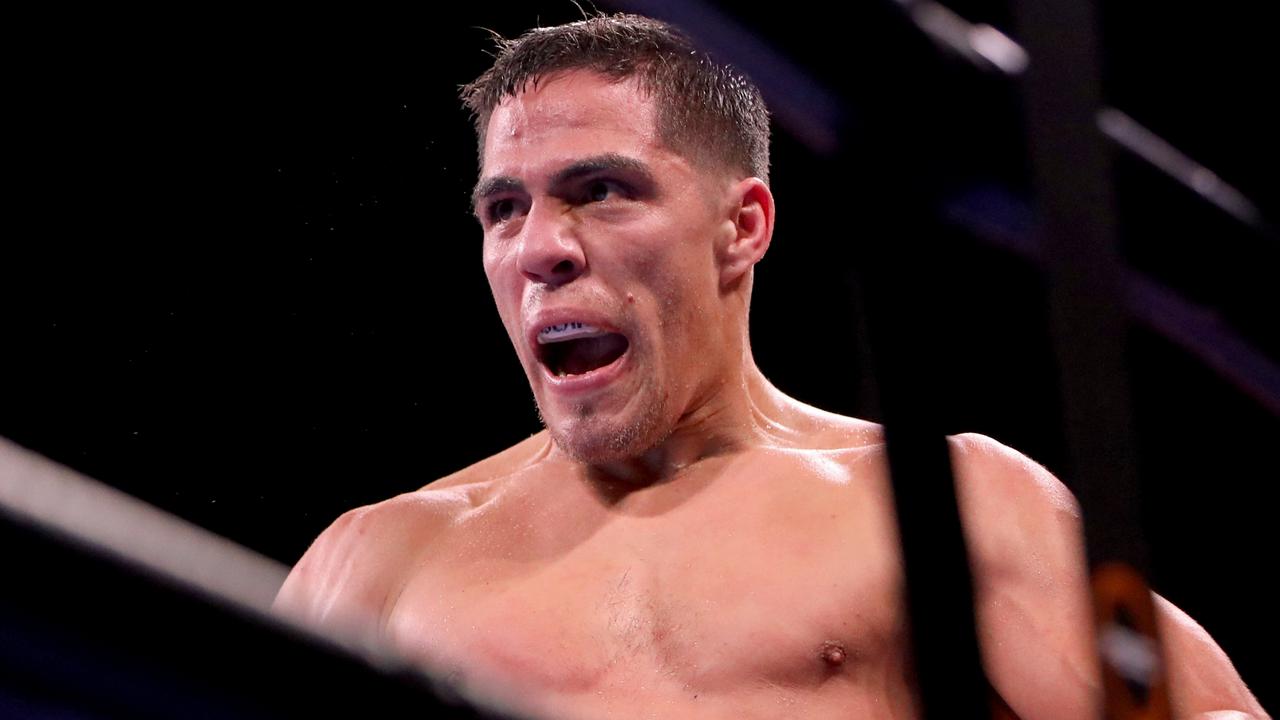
[568, 114]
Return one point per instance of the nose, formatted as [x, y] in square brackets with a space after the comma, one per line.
[550, 251]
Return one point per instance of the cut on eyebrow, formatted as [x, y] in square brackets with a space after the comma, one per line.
[575, 170]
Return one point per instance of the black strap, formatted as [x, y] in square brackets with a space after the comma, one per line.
[1073, 175]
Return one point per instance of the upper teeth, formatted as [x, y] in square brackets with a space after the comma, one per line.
[567, 331]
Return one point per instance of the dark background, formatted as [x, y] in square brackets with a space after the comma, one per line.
[242, 281]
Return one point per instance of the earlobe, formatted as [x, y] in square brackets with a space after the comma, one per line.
[752, 230]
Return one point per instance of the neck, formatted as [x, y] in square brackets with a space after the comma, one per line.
[740, 410]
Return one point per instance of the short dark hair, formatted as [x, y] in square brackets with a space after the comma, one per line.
[706, 110]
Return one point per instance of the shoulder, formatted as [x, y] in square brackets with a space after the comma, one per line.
[1016, 512]
[804, 427]
[495, 467]
[1017, 515]
[352, 571]
[996, 486]
[991, 465]
[349, 573]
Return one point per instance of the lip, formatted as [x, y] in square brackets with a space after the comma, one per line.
[585, 382]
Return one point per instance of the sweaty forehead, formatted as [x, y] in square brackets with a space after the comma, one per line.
[569, 111]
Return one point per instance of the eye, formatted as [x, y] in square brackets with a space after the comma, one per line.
[601, 190]
[501, 210]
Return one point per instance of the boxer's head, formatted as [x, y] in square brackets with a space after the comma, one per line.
[623, 201]
[707, 111]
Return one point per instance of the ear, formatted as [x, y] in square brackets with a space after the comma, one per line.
[751, 218]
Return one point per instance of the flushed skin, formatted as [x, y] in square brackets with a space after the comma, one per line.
[684, 540]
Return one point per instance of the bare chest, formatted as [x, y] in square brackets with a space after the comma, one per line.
[775, 598]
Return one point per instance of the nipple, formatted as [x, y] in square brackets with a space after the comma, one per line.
[832, 654]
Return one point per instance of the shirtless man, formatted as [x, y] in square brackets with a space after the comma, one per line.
[684, 540]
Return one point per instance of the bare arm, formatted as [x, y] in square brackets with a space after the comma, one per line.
[1203, 682]
[1033, 605]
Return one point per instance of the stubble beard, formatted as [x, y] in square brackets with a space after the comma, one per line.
[597, 441]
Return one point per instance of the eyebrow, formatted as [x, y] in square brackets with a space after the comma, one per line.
[492, 186]
[582, 168]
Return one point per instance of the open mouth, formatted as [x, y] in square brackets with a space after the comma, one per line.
[576, 348]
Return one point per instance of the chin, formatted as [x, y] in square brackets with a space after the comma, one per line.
[597, 441]
[600, 449]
